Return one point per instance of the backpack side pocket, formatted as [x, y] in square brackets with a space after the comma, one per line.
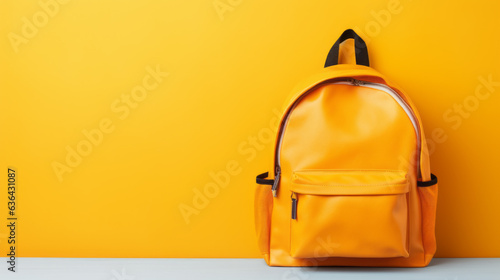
[428, 192]
[263, 206]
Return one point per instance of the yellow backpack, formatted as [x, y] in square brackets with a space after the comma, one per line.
[352, 184]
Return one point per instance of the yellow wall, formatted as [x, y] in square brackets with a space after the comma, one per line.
[229, 65]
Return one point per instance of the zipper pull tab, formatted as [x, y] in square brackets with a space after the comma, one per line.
[294, 206]
[356, 82]
[276, 181]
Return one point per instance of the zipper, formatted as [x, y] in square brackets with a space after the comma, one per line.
[294, 206]
[355, 82]
[277, 176]
[394, 95]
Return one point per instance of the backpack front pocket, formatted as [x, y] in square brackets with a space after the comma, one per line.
[349, 213]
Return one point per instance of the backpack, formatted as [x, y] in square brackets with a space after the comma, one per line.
[350, 183]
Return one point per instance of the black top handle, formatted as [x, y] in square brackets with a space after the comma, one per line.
[359, 47]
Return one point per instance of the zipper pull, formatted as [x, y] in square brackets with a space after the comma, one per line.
[356, 82]
[276, 181]
[294, 206]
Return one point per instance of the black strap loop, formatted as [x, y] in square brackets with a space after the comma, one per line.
[431, 182]
[359, 46]
[261, 179]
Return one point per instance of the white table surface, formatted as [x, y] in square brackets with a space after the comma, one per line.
[150, 269]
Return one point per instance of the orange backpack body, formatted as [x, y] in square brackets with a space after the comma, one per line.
[352, 184]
